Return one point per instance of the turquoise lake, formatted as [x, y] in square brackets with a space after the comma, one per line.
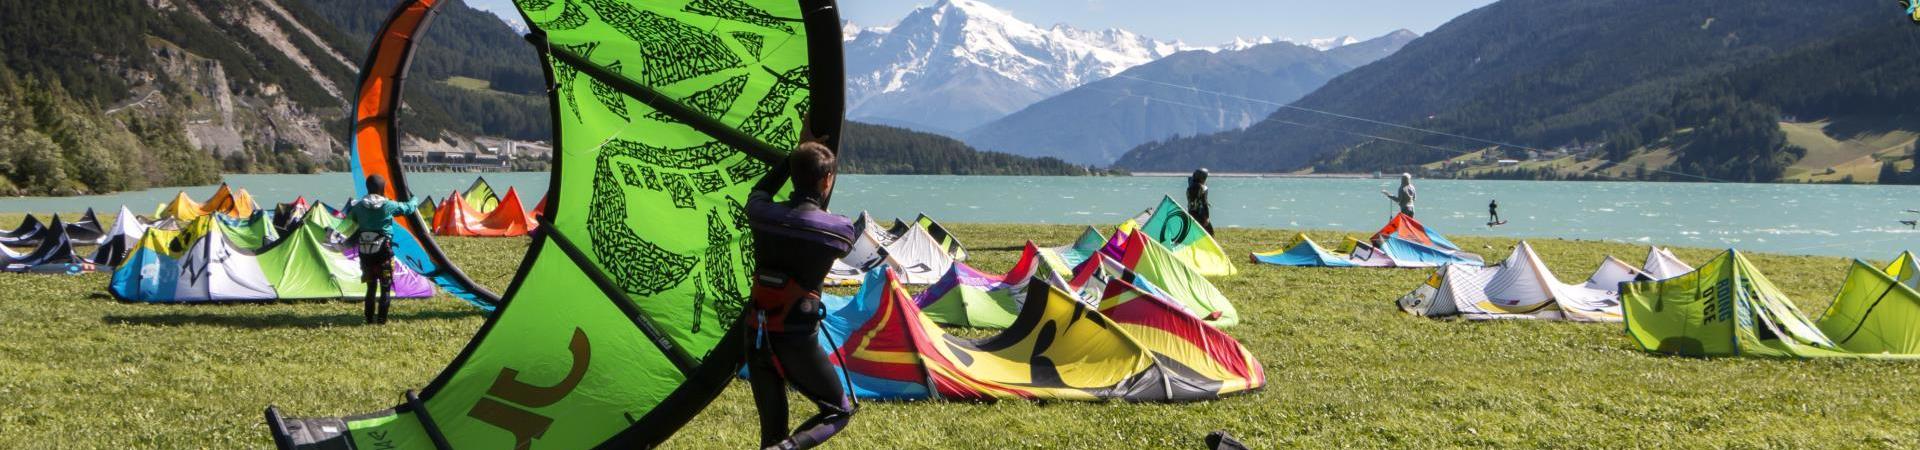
[1853, 221]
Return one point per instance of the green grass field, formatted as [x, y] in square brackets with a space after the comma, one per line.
[471, 84]
[1346, 369]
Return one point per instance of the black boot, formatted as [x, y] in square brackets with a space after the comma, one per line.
[1220, 440]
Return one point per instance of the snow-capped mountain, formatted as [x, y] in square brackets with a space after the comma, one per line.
[1187, 94]
[1322, 44]
[960, 63]
[1330, 43]
[503, 9]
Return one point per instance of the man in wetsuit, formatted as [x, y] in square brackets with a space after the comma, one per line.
[795, 243]
[1197, 204]
[1493, 212]
[373, 239]
[1404, 198]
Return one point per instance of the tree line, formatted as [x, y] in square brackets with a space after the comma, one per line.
[52, 143]
[879, 149]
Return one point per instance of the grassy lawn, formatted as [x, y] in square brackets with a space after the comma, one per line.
[471, 84]
[1858, 156]
[1346, 369]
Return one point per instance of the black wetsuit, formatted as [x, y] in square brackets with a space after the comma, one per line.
[1199, 206]
[1493, 209]
[795, 244]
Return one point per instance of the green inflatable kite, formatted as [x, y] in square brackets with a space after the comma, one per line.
[621, 323]
[1728, 308]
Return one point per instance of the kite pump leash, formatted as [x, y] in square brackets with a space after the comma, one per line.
[844, 376]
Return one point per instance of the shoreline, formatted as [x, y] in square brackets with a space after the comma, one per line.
[1308, 176]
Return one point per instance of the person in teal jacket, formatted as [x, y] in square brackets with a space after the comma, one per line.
[373, 237]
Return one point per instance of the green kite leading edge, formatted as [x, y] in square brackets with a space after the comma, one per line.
[620, 325]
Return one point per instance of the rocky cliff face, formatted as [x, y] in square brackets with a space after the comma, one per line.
[224, 115]
[275, 76]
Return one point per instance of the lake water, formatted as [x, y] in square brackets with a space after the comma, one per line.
[1855, 221]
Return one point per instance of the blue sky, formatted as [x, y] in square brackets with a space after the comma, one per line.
[1200, 22]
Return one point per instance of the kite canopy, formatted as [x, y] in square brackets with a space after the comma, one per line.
[1404, 227]
[1304, 252]
[1521, 287]
[87, 229]
[312, 263]
[920, 252]
[31, 231]
[480, 196]
[430, 210]
[508, 219]
[967, 297]
[1174, 228]
[208, 262]
[28, 227]
[666, 114]
[250, 234]
[1134, 347]
[200, 264]
[940, 234]
[127, 232]
[1727, 307]
[181, 208]
[1877, 312]
[1662, 264]
[55, 254]
[1410, 244]
[230, 202]
[918, 257]
[1180, 282]
[375, 142]
[1082, 249]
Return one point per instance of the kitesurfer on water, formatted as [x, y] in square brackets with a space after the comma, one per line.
[1493, 211]
[1197, 204]
[373, 238]
[1404, 198]
[795, 243]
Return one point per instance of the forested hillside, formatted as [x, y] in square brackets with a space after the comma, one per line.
[879, 149]
[233, 85]
[1539, 74]
[1849, 98]
[471, 75]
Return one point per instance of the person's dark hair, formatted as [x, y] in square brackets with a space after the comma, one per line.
[809, 164]
[377, 184]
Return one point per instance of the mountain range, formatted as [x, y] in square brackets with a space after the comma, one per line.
[132, 94]
[1536, 74]
[957, 64]
[1189, 93]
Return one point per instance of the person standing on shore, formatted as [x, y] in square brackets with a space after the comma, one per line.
[373, 237]
[795, 244]
[1197, 204]
[1405, 197]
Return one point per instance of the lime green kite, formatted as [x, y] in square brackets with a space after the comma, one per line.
[1728, 308]
[621, 324]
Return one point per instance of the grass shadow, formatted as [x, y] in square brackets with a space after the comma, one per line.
[275, 320]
